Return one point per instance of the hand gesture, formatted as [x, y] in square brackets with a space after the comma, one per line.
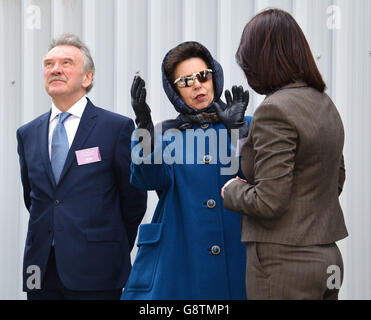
[138, 102]
[233, 117]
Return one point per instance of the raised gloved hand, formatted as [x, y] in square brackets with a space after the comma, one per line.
[233, 117]
[138, 102]
[142, 111]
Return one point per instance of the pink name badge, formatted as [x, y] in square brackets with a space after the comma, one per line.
[86, 156]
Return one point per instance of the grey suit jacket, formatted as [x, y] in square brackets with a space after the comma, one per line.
[295, 170]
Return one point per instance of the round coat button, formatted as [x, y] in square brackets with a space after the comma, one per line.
[57, 202]
[211, 203]
[207, 158]
[215, 250]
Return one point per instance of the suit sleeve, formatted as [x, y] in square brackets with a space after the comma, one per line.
[341, 175]
[241, 142]
[24, 172]
[133, 200]
[274, 139]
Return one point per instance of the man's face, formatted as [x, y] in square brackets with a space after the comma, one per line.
[63, 72]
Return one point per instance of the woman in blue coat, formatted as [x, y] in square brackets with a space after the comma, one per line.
[192, 248]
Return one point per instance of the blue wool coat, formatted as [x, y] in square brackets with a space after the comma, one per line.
[192, 247]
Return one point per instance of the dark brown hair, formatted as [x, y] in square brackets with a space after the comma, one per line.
[274, 52]
[183, 51]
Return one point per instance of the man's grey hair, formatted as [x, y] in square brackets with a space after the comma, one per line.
[68, 39]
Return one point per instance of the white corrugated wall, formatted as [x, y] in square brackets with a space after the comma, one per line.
[126, 36]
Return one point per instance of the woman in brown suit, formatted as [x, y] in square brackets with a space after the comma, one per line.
[294, 168]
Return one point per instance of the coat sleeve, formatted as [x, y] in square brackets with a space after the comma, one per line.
[24, 172]
[274, 139]
[149, 170]
[133, 200]
[341, 175]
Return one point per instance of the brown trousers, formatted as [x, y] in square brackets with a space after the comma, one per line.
[275, 271]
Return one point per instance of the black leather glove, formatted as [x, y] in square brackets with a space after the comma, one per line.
[142, 111]
[233, 117]
[138, 102]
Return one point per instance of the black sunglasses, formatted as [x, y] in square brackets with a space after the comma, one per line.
[188, 81]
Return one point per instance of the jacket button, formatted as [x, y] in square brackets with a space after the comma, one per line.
[207, 159]
[215, 250]
[57, 202]
[211, 203]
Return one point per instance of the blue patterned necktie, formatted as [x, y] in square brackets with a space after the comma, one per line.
[60, 146]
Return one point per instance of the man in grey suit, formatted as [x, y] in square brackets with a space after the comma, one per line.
[293, 164]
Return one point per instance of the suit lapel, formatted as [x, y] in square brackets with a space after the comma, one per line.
[43, 142]
[87, 123]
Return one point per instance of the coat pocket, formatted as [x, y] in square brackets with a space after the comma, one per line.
[145, 265]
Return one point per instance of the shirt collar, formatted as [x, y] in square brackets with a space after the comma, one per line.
[76, 110]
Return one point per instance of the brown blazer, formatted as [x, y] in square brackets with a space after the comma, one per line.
[295, 170]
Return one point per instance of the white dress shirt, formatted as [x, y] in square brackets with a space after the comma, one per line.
[71, 123]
